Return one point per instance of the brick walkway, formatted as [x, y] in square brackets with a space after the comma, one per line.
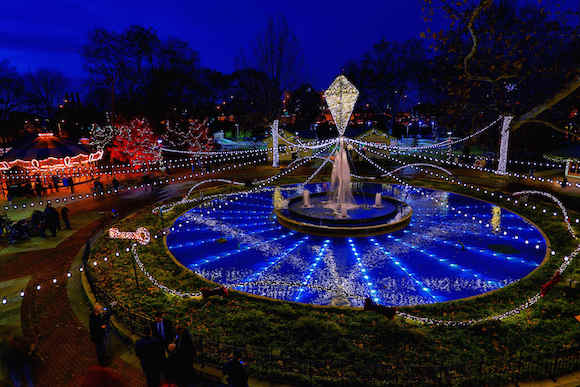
[63, 340]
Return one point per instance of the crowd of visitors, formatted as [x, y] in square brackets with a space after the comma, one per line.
[40, 187]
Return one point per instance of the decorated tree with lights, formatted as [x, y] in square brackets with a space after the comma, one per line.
[135, 142]
[101, 136]
[188, 134]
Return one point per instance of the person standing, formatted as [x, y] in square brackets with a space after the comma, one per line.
[71, 184]
[38, 187]
[64, 215]
[56, 216]
[150, 352]
[55, 182]
[171, 366]
[100, 327]
[163, 329]
[18, 359]
[235, 371]
[184, 356]
[51, 220]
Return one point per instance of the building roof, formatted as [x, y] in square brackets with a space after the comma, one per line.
[43, 146]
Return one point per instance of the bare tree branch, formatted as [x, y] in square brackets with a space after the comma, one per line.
[537, 110]
[552, 126]
[483, 5]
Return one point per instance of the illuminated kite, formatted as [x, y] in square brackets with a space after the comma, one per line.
[341, 97]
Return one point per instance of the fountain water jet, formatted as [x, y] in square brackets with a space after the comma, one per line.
[340, 196]
[306, 199]
[378, 200]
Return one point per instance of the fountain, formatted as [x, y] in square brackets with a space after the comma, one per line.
[340, 196]
[306, 196]
[378, 200]
[340, 211]
[278, 200]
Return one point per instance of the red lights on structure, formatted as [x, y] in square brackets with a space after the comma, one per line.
[52, 163]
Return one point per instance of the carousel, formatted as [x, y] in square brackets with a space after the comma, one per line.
[46, 152]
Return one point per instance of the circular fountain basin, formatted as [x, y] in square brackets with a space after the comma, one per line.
[364, 220]
[454, 247]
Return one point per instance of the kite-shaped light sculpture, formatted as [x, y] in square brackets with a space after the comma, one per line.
[340, 98]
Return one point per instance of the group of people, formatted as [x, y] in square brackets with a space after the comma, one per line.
[50, 219]
[19, 355]
[166, 352]
[40, 188]
[36, 225]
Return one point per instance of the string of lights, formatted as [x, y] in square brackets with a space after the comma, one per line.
[446, 143]
[128, 188]
[468, 166]
[534, 163]
[558, 202]
[326, 160]
[120, 169]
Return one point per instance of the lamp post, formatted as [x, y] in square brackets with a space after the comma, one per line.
[449, 139]
[504, 144]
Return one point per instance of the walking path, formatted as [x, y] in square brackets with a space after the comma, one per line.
[46, 314]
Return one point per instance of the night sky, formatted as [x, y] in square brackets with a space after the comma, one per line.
[37, 33]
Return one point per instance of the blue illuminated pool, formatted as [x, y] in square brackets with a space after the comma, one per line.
[454, 247]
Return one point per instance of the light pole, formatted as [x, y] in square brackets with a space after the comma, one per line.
[449, 139]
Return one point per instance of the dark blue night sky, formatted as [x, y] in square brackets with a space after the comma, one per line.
[50, 33]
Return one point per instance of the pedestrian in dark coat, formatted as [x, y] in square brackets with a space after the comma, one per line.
[151, 353]
[163, 329]
[55, 182]
[64, 215]
[19, 359]
[38, 187]
[184, 356]
[100, 327]
[51, 217]
[235, 371]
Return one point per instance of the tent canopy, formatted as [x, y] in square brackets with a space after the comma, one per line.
[44, 146]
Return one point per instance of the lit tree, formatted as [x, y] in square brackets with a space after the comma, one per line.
[135, 142]
[188, 134]
[101, 136]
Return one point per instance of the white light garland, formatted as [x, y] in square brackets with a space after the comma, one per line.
[558, 202]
